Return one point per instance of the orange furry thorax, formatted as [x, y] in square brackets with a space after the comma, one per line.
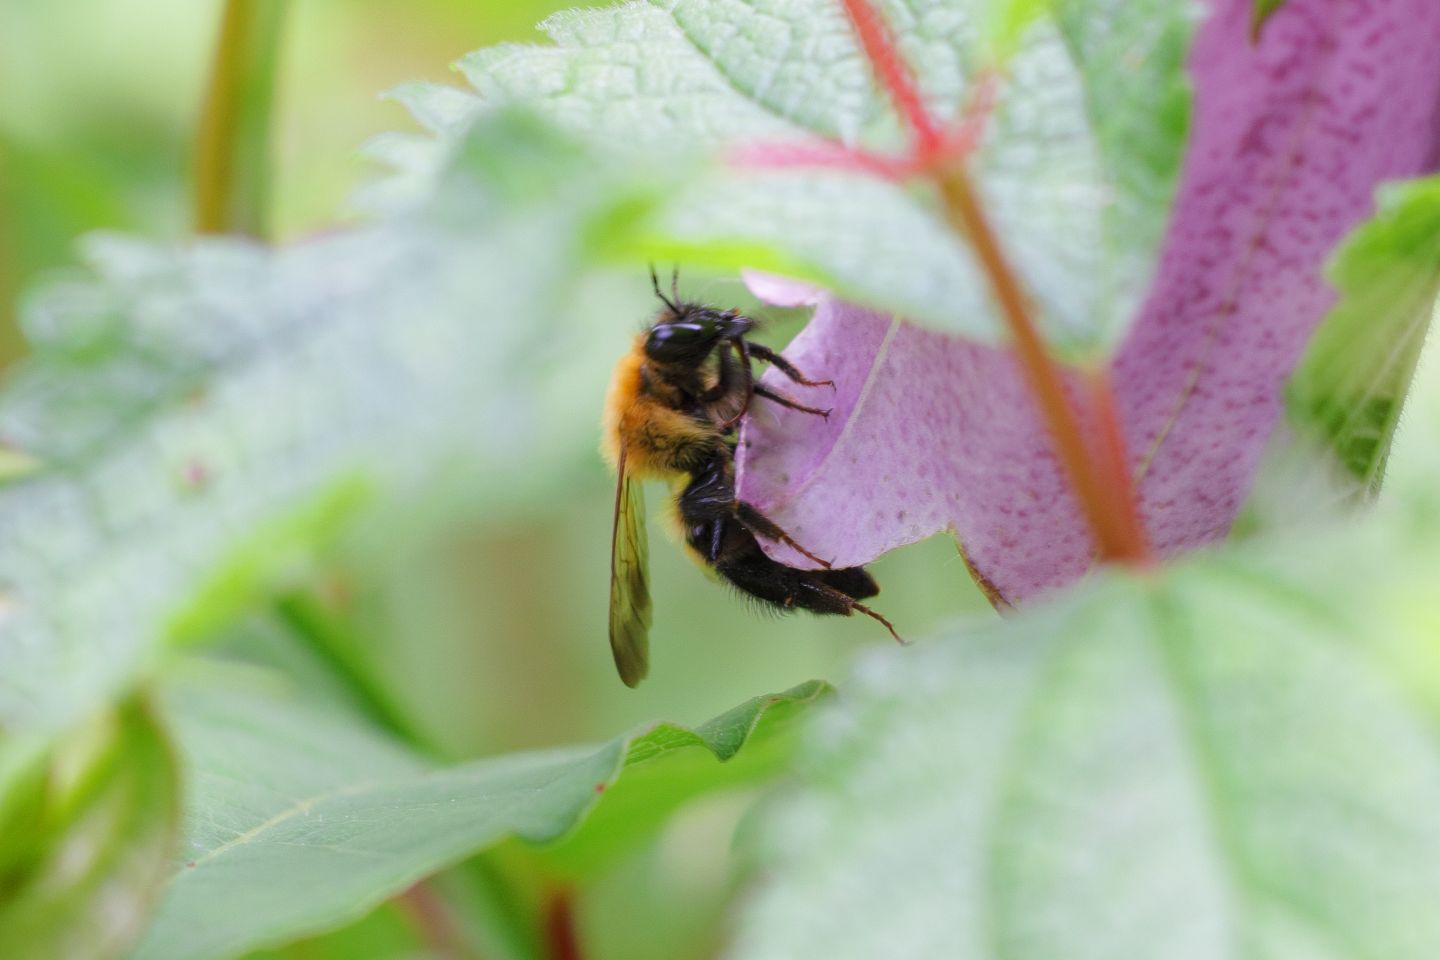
[658, 440]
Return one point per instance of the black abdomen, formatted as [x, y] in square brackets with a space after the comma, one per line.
[714, 529]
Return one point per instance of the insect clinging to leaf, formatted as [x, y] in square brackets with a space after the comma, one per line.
[674, 403]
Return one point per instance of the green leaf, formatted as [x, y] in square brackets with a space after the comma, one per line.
[1131, 55]
[636, 805]
[16, 466]
[88, 833]
[1080, 187]
[1236, 756]
[1348, 391]
[201, 414]
[301, 819]
[1004, 23]
[266, 562]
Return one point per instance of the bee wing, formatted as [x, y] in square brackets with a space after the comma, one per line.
[629, 589]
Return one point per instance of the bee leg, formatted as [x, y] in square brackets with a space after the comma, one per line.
[786, 367]
[761, 525]
[785, 401]
[788, 588]
[731, 375]
[717, 537]
[743, 370]
[820, 597]
[709, 497]
[873, 615]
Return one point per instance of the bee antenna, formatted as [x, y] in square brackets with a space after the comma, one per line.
[675, 282]
[655, 284]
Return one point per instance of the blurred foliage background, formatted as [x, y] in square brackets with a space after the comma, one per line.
[99, 100]
[490, 636]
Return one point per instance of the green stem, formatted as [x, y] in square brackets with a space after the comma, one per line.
[16, 177]
[232, 147]
[8, 323]
[335, 644]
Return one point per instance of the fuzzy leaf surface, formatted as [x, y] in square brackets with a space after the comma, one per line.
[1235, 756]
[1080, 193]
[207, 418]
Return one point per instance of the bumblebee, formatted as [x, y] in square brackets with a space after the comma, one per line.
[671, 414]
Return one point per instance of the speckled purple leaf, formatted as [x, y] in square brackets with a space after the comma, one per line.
[1289, 139]
[883, 470]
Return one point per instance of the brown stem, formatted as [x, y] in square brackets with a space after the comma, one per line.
[233, 140]
[1113, 459]
[430, 915]
[1115, 528]
[562, 938]
[1099, 478]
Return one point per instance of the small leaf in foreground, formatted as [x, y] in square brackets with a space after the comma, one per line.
[1351, 384]
[301, 819]
[87, 839]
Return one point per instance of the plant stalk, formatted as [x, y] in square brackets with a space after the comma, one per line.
[1108, 509]
[1102, 485]
[893, 73]
[327, 637]
[232, 145]
[562, 937]
[430, 914]
[1116, 474]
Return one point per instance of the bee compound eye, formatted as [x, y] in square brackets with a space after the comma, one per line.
[675, 339]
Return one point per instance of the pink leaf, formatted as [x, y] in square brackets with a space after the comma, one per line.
[782, 291]
[1291, 139]
[931, 433]
[927, 432]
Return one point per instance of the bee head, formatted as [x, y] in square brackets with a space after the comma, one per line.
[690, 333]
[686, 333]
